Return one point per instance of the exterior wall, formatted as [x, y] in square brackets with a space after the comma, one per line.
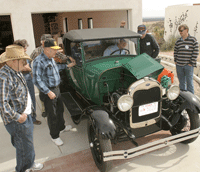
[182, 14]
[20, 12]
[101, 19]
[38, 27]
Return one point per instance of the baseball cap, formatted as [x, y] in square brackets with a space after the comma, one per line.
[45, 36]
[142, 29]
[50, 42]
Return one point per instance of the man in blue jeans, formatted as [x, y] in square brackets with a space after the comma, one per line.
[186, 51]
[16, 107]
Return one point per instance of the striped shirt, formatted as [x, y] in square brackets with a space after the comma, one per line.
[13, 94]
[186, 51]
[45, 73]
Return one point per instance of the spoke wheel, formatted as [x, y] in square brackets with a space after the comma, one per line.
[188, 121]
[98, 146]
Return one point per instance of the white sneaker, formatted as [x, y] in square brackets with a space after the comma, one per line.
[58, 141]
[35, 167]
[67, 128]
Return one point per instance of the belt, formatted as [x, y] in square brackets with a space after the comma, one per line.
[54, 87]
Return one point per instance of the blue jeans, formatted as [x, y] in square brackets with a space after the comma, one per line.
[185, 77]
[22, 140]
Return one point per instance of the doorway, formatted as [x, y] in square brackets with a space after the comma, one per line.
[6, 34]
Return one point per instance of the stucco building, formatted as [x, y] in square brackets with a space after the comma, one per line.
[182, 14]
[29, 19]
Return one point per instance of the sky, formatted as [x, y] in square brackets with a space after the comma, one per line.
[156, 8]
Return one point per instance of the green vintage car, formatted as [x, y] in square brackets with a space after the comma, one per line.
[123, 94]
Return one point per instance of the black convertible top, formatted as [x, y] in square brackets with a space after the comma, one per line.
[99, 34]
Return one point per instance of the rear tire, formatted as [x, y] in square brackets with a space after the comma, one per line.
[98, 145]
[192, 123]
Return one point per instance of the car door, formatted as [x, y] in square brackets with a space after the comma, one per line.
[76, 73]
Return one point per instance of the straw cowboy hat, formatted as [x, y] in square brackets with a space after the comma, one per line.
[13, 52]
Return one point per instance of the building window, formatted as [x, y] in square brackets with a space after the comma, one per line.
[65, 25]
[90, 23]
[80, 24]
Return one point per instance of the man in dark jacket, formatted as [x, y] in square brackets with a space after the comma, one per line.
[148, 44]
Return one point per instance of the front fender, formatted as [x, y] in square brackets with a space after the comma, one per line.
[191, 101]
[103, 123]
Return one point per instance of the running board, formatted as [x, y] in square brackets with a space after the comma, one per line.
[130, 153]
[71, 104]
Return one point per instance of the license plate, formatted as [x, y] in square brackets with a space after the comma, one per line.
[148, 109]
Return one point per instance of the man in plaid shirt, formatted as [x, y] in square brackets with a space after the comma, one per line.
[46, 77]
[16, 107]
[59, 58]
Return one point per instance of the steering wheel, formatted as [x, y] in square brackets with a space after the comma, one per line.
[120, 51]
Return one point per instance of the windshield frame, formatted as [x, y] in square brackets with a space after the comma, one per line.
[86, 49]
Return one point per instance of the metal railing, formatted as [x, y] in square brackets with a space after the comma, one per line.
[169, 60]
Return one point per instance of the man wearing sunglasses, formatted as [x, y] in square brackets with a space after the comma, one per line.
[186, 51]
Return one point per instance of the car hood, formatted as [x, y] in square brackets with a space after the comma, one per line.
[140, 66]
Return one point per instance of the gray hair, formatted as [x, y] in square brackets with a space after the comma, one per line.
[45, 36]
[21, 42]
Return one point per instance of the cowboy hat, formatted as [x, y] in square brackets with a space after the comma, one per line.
[13, 52]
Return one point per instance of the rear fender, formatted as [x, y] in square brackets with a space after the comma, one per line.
[191, 101]
[104, 124]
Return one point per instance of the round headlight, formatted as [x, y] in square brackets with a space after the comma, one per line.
[124, 103]
[173, 92]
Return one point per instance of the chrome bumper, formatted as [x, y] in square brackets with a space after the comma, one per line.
[130, 153]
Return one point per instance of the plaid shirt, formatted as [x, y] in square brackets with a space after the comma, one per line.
[45, 73]
[40, 50]
[13, 94]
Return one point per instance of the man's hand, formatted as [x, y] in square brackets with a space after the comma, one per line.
[71, 65]
[22, 118]
[51, 95]
[72, 60]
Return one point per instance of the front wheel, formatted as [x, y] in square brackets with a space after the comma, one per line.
[98, 145]
[188, 121]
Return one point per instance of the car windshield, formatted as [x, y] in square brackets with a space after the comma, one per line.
[100, 48]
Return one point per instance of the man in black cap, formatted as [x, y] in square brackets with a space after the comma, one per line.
[46, 77]
[148, 44]
[36, 52]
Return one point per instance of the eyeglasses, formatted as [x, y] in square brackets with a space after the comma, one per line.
[181, 30]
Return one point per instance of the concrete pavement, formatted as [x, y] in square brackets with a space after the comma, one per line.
[75, 154]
